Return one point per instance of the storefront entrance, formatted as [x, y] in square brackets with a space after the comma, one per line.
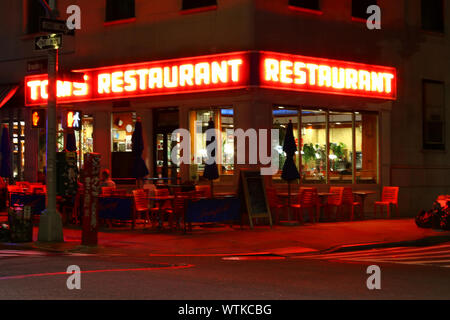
[166, 121]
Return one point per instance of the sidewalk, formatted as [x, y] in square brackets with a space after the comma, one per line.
[224, 240]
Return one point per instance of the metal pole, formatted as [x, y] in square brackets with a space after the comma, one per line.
[50, 226]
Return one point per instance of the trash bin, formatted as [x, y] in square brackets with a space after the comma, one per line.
[20, 224]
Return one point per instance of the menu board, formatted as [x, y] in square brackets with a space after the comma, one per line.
[253, 192]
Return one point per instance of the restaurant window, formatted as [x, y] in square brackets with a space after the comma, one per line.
[194, 4]
[433, 115]
[224, 122]
[281, 117]
[314, 146]
[432, 15]
[340, 155]
[122, 130]
[359, 8]
[352, 153]
[119, 10]
[18, 149]
[35, 10]
[366, 147]
[86, 136]
[306, 4]
[60, 136]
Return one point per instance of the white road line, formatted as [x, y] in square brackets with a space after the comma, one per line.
[425, 256]
[30, 252]
[375, 252]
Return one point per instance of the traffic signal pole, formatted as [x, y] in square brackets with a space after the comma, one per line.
[50, 225]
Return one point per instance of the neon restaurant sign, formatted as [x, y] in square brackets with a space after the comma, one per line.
[220, 72]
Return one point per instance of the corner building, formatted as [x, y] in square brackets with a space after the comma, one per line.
[368, 106]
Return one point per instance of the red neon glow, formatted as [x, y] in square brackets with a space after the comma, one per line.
[207, 73]
[290, 72]
[220, 72]
[35, 118]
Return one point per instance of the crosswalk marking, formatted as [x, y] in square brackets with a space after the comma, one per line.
[20, 253]
[438, 255]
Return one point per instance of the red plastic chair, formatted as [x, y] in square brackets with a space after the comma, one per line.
[348, 200]
[141, 204]
[107, 191]
[205, 190]
[335, 201]
[274, 203]
[308, 199]
[389, 197]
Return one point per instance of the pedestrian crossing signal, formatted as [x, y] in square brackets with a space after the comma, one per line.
[38, 118]
[74, 119]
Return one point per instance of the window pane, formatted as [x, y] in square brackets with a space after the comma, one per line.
[366, 141]
[433, 15]
[87, 142]
[35, 11]
[122, 131]
[359, 8]
[224, 122]
[192, 4]
[434, 115]
[308, 4]
[341, 146]
[119, 9]
[281, 118]
[313, 146]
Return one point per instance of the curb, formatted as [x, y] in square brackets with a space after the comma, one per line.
[422, 242]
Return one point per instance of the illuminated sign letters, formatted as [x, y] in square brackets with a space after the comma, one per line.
[298, 73]
[219, 72]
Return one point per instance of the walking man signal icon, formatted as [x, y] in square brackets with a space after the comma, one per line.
[74, 120]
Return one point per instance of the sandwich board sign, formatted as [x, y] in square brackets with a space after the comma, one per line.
[252, 189]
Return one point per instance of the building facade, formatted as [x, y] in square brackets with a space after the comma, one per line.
[350, 128]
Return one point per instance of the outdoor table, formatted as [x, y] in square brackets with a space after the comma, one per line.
[363, 194]
[285, 196]
[323, 197]
[182, 187]
[224, 195]
[116, 208]
[160, 200]
[36, 201]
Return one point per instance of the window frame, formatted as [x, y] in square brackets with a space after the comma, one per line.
[427, 146]
[28, 12]
[197, 8]
[365, 15]
[327, 111]
[306, 9]
[442, 17]
[116, 19]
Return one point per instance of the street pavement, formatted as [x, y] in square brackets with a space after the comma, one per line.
[312, 261]
[222, 240]
[437, 256]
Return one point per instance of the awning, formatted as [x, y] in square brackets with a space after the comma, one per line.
[7, 91]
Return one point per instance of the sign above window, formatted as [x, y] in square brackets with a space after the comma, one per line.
[219, 72]
[298, 73]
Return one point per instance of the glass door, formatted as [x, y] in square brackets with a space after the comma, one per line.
[164, 167]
